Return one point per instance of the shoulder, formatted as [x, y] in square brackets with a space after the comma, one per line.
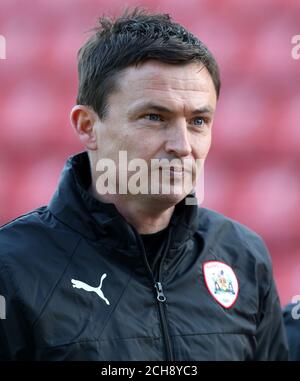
[227, 235]
[34, 230]
[35, 242]
[20, 234]
[214, 221]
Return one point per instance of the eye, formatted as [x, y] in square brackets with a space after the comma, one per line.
[198, 121]
[153, 117]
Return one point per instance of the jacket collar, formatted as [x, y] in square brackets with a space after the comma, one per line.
[73, 205]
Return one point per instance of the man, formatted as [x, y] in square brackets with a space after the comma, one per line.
[107, 273]
[291, 318]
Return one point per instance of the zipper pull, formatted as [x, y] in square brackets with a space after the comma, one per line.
[160, 294]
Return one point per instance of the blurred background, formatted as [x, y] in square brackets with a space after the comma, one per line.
[252, 172]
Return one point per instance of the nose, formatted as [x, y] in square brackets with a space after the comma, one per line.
[178, 143]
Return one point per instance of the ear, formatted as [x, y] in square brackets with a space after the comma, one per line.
[83, 120]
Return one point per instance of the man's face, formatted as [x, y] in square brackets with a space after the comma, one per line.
[160, 111]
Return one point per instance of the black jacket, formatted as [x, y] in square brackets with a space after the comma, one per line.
[45, 256]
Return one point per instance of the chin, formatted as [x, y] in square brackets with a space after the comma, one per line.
[166, 199]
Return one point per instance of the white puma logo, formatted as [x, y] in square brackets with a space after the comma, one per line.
[86, 287]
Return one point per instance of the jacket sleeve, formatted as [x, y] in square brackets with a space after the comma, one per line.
[270, 335]
[14, 331]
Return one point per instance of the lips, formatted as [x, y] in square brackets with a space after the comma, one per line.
[177, 170]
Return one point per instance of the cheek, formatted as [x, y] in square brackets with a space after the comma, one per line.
[112, 139]
[143, 143]
[201, 147]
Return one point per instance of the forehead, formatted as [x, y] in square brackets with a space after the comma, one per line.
[166, 82]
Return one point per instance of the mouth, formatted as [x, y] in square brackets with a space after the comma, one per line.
[174, 170]
[177, 169]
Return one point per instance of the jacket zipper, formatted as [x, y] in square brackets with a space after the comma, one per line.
[162, 312]
[160, 297]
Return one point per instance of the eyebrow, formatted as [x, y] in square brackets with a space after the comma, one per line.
[153, 106]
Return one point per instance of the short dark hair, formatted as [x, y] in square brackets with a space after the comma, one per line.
[131, 39]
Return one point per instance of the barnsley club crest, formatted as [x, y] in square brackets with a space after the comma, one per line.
[221, 282]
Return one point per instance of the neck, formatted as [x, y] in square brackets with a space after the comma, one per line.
[147, 217]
